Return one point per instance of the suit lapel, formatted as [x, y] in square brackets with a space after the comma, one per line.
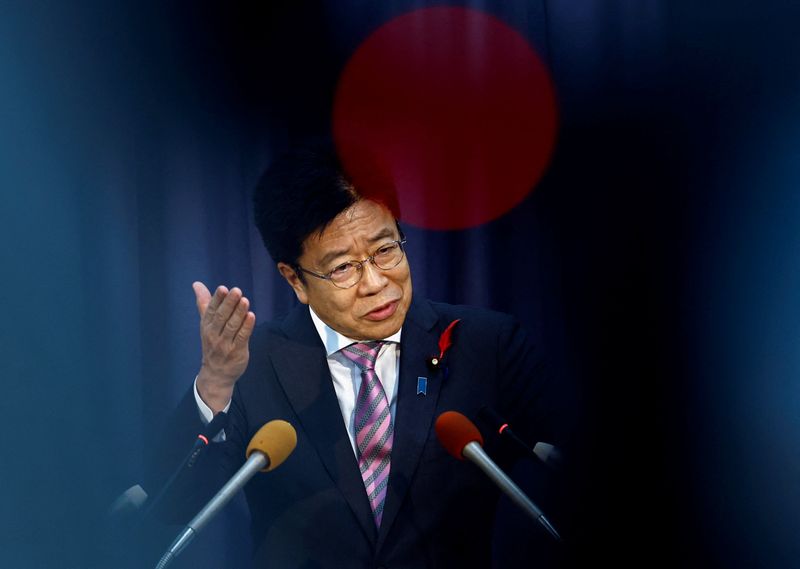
[414, 414]
[303, 372]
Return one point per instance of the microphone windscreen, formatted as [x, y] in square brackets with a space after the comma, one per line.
[276, 439]
[455, 432]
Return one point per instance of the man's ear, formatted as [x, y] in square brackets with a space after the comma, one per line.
[294, 281]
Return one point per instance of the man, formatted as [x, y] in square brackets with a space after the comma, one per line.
[368, 485]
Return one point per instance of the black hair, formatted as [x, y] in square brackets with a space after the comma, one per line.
[306, 187]
[300, 194]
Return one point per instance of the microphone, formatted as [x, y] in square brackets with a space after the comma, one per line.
[128, 502]
[211, 430]
[268, 448]
[214, 427]
[545, 452]
[461, 438]
[134, 498]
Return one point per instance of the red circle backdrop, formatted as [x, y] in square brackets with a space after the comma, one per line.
[449, 112]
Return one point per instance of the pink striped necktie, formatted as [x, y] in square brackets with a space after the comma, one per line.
[373, 423]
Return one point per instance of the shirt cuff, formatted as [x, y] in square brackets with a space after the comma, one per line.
[206, 413]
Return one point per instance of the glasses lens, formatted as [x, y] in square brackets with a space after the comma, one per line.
[388, 256]
[346, 274]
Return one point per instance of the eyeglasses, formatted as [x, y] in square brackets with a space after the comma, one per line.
[347, 274]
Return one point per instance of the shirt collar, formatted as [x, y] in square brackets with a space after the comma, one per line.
[334, 341]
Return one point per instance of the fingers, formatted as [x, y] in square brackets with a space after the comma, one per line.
[243, 334]
[202, 297]
[236, 319]
[226, 309]
[219, 296]
[226, 313]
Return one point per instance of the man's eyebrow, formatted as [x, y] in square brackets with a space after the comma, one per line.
[331, 255]
[382, 234]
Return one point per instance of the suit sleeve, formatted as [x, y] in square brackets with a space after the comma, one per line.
[198, 480]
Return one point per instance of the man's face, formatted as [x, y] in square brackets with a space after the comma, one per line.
[376, 306]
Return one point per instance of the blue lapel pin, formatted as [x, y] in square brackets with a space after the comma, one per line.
[422, 385]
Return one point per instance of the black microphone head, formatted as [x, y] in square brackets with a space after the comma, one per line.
[491, 417]
[130, 501]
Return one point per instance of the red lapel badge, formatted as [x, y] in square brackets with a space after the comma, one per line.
[445, 341]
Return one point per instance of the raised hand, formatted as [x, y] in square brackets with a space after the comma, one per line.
[226, 324]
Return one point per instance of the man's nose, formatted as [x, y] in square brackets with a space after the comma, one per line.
[373, 279]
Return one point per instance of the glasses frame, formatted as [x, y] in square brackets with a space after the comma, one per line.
[371, 259]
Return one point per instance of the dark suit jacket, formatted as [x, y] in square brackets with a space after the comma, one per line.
[312, 512]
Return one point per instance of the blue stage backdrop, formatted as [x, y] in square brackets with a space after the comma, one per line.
[655, 262]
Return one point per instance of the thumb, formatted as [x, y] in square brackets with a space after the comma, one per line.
[202, 296]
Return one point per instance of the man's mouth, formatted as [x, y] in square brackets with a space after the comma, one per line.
[382, 312]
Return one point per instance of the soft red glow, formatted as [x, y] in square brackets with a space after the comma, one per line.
[450, 113]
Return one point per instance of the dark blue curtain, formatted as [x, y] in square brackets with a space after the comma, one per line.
[655, 262]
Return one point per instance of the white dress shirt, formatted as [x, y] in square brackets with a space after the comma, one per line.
[345, 374]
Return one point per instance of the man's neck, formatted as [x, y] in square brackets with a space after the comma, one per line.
[335, 341]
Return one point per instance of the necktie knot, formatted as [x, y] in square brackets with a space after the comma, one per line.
[363, 354]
